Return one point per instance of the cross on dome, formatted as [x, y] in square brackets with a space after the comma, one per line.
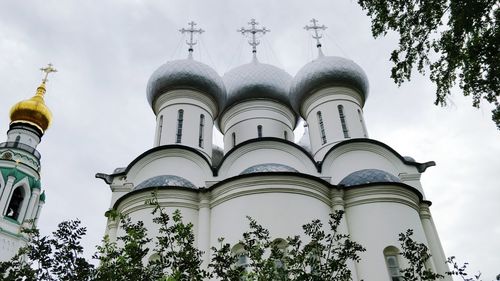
[191, 31]
[253, 32]
[47, 70]
[315, 27]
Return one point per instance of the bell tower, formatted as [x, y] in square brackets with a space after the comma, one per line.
[21, 198]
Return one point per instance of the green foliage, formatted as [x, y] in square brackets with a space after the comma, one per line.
[461, 270]
[417, 255]
[124, 262]
[177, 256]
[46, 258]
[459, 41]
[324, 257]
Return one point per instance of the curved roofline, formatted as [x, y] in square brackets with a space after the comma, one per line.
[400, 184]
[270, 174]
[421, 167]
[199, 90]
[272, 139]
[266, 174]
[108, 178]
[133, 192]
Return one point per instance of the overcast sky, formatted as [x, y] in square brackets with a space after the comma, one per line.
[106, 50]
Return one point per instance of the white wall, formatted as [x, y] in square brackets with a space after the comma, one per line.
[243, 119]
[376, 215]
[194, 104]
[327, 101]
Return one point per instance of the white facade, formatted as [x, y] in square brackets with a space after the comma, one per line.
[264, 174]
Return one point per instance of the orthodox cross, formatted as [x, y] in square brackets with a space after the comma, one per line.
[315, 28]
[191, 31]
[253, 31]
[47, 70]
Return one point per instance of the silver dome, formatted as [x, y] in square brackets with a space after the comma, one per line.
[268, 168]
[186, 74]
[327, 71]
[165, 180]
[368, 176]
[257, 80]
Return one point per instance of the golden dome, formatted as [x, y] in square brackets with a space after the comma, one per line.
[32, 111]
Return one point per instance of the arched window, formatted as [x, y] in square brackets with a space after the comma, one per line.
[233, 135]
[280, 246]
[362, 123]
[343, 121]
[391, 254]
[180, 120]
[242, 256]
[321, 127]
[154, 257]
[259, 131]
[202, 126]
[16, 141]
[285, 135]
[15, 204]
[160, 128]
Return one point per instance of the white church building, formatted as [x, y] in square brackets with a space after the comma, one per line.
[261, 172]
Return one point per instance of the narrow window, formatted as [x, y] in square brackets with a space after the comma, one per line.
[16, 141]
[180, 120]
[321, 128]
[259, 131]
[280, 246]
[160, 128]
[242, 258]
[285, 135]
[391, 254]
[342, 120]
[393, 267]
[202, 125]
[234, 139]
[362, 123]
[15, 203]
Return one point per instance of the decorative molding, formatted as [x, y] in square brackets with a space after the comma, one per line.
[381, 193]
[266, 105]
[330, 94]
[168, 98]
[261, 185]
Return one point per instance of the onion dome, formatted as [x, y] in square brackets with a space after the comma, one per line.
[186, 74]
[268, 168]
[165, 180]
[327, 71]
[257, 80]
[32, 111]
[368, 176]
